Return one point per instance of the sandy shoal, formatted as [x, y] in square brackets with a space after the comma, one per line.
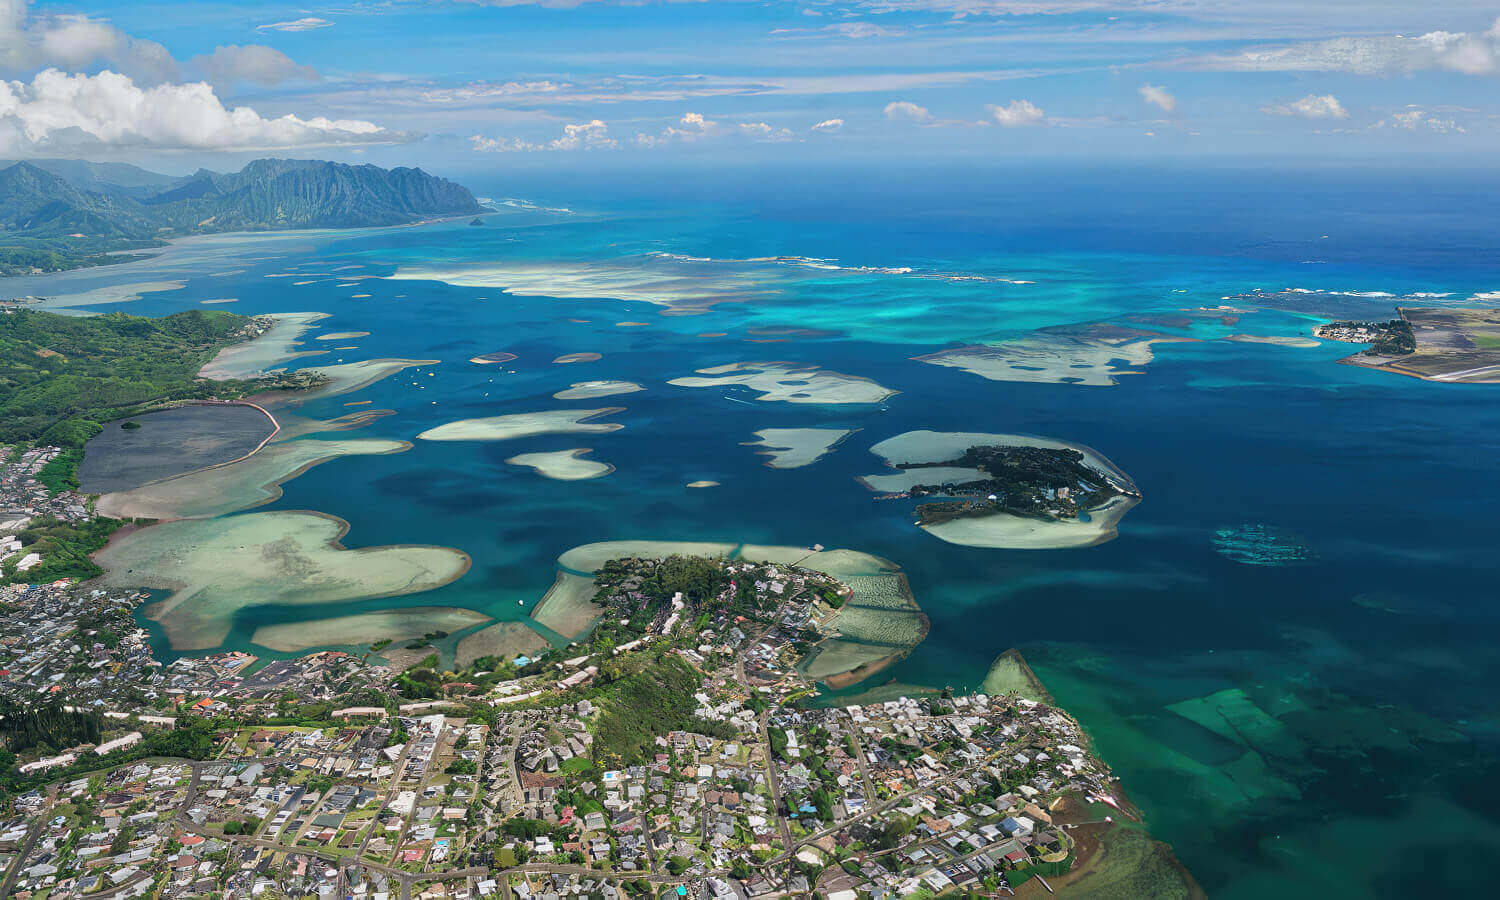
[519, 425]
[563, 465]
[363, 629]
[217, 567]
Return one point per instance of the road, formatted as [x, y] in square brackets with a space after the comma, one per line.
[773, 781]
[390, 794]
[859, 760]
[31, 837]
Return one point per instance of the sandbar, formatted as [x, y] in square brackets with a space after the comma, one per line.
[588, 390]
[1305, 343]
[217, 567]
[1086, 355]
[790, 382]
[567, 358]
[490, 359]
[112, 293]
[346, 378]
[703, 484]
[568, 606]
[360, 629]
[265, 353]
[506, 640]
[1011, 673]
[519, 425]
[639, 279]
[341, 335]
[793, 448]
[564, 465]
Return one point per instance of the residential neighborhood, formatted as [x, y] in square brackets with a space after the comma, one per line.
[691, 760]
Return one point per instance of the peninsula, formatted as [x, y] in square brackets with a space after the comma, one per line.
[1452, 345]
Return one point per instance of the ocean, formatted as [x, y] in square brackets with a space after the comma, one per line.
[1287, 654]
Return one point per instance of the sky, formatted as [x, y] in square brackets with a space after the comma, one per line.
[469, 85]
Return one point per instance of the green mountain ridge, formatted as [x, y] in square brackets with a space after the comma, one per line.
[60, 214]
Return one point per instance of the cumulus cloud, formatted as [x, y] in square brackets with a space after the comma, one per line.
[1017, 113]
[1159, 97]
[1471, 54]
[691, 127]
[586, 135]
[304, 24]
[591, 135]
[1414, 118]
[1312, 106]
[28, 42]
[829, 125]
[255, 64]
[762, 131]
[57, 111]
[905, 109]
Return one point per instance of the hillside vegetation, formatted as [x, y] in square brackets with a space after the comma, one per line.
[59, 214]
[61, 377]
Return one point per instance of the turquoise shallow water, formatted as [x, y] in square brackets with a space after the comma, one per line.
[1348, 697]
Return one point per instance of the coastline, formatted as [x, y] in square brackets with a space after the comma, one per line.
[1112, 858]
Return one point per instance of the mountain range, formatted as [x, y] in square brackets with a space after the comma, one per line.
[59, 214]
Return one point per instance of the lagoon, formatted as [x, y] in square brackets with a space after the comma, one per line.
[1358, 713]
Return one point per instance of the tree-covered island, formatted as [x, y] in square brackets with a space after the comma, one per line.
[1038, 482]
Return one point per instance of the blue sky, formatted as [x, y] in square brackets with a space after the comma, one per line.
[462, 85]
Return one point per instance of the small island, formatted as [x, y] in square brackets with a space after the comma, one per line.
[1005, 491]
[1042, 482]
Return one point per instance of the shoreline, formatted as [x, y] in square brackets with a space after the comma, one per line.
[156, 251]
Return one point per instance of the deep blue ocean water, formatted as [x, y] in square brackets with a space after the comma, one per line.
[1347, 747]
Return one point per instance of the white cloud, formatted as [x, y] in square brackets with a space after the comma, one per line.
[304, 24]
[255, 63]
[57, 111]
[586, 135]
[851, 30]
[1417, 119]
[1312, 106]
[905, 109]
[829, 125]
[591, 135]
[1158, 96]
[962, 8]
[1017, 113]
[687, 88]
[29, 42]
[691, 127]
[486, 91]
[762, 131]
[1471, 54]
